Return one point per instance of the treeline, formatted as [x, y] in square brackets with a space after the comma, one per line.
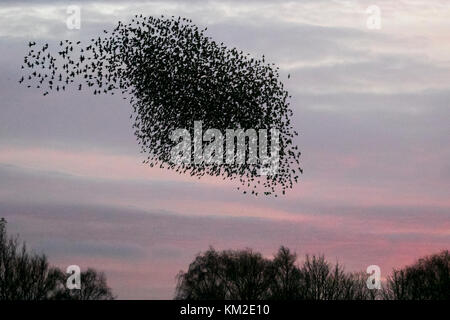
[247, 275]
[230, 275]
[28, 276]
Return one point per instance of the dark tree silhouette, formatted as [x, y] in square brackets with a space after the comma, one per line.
[320, 280]
[285, 276]
[245, 275]
[93, 287]
[427, 279]
[236, 275]
[29, 276]
[356, 288]
[23, 276]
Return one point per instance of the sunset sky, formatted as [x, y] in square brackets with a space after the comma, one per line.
[372, 107]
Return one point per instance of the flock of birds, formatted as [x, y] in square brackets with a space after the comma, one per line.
[174, 75]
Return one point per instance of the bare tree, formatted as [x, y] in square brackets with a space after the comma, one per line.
[29, 276]
[245, 274]
[427, 279]
[356, 288]
[93, 287]
[23, 276]
[239, 275]
[204, 278]
[285, 276]
[320, 280]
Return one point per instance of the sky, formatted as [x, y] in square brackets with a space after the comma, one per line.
[371, 107]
